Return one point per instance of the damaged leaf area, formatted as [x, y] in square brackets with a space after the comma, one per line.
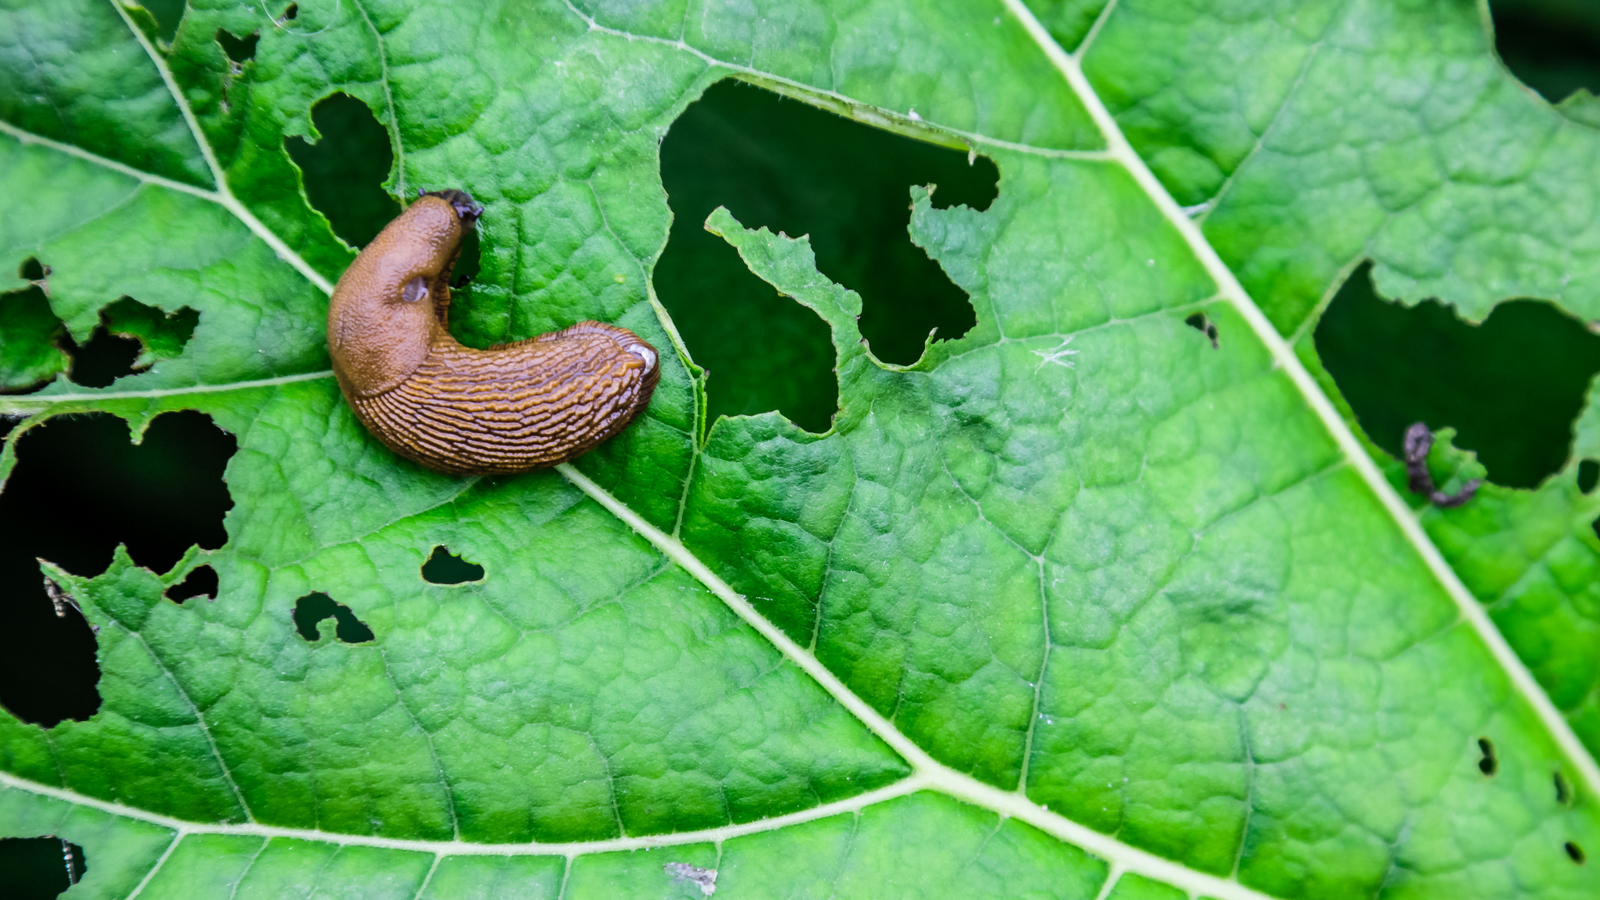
[1105, 594]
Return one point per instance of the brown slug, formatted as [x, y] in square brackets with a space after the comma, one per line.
[510, 408]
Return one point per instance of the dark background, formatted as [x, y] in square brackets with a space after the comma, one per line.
[1511, 386]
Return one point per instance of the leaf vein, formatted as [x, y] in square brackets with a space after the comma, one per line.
[926, 771]
[388, 99]
[1284, 356]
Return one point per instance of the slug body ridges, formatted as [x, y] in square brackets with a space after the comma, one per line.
[509, 408]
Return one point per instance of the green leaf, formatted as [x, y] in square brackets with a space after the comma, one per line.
[1454, 180]
[78, 75]
[1086, 602]
[1319, 133]
[30, 334]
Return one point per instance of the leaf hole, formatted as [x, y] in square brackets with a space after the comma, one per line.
[1205, 326]
[105, 358]
[1511, 387]
[40, 867]
[468, 259]
[314, 608]
[1575, 853]
[444, 567]
[240, 50]
[168, 15]
[289, 13]
[33, 270]
[800, 170]
[1588, 474]
[83, 488]
[1487, 764]
[130, 338]
[48, 669]
[202, 582]
[1553, 48]
[344, 170]
[1563, 789]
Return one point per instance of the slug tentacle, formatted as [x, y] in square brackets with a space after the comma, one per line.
[510, 408]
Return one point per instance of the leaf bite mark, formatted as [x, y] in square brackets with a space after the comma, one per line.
[1588, 474]
[464, 306]
[317, 607]
[1552, 48]
[239, 50]
[704, 879]
[131, 338]
[798, 170]
[1487, 763]
[1205, 326]
[40, 866]
[80, 488]
[34, 272]
[343, 170]
[444, 567]
[1512, 386]
[168, 14]
[202, 582]
[1575, 853]
[48, 673]
[63, 686]
[1563, 789]
[105, 358]
[469, 261]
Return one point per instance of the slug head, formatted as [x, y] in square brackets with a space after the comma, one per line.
[389, 304]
